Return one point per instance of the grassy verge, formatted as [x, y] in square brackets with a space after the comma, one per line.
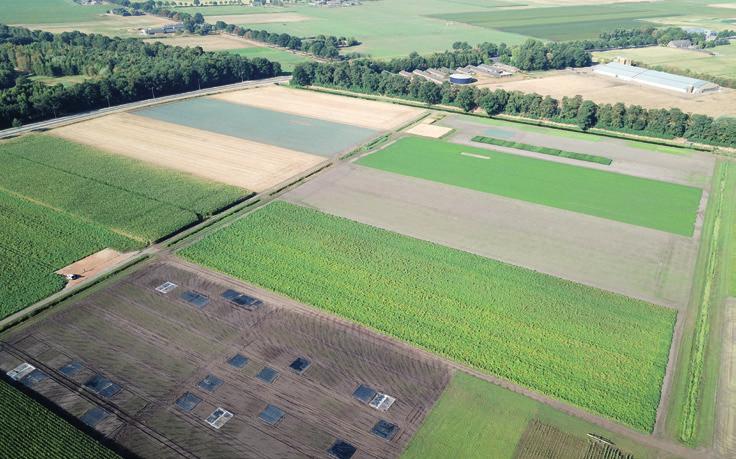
[544, 150]
[472, 309]
[476, 419]
[29, 430]
[692, 406]
[638, 201]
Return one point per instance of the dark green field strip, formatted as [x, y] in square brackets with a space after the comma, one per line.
[595, 349]
[643, 202]
[30, 431]
[294, 132]
[35, 241]
[128, 196]
[544, 150]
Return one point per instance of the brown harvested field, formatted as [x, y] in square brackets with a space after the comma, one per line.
[346, 110]
[93, 265]
[605, 90]
[260, 18]
[687, 168]
[219, 42]
[429, 130]
[157, 347]
[235, 161]
[651, 265]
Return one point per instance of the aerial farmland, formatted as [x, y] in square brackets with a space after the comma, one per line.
[277, 231]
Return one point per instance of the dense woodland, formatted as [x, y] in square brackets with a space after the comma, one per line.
[375, 77]
[118, 70]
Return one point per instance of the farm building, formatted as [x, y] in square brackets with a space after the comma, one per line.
[461, 78]
[682, 44]
[168, 28]
[655, 78]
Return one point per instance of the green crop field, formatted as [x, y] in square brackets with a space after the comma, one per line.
[721, 64]
[476, 419]
[638, 201]
[599, 350]
[60, 202]
[48, 12]
[30, 431]
[128, 196]
[287, 60]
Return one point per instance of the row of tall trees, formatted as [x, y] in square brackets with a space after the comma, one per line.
[650, 36]
[119, 71]
[372, 77]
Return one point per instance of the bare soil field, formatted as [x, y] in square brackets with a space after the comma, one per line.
[647, 264]
[109, 24]
[688, 168]
[157, 347]
[93, 265]
[260, 18]
[219, 42]
[235, 161]
[605, 90]
[346, 110]
[430, 130]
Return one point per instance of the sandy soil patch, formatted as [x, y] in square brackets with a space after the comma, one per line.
[642, 263]
[328, 107]
[93, 265]
[601, 89]
[264, 18]
[730, 6]
[207, 42]
[429, 130]
[239, 162]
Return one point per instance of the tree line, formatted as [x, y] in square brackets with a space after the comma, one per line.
[375, 77]
[118, 70]
[327, 47]
[651, 36]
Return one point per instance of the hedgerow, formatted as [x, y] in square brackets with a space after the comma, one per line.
[602, 351]
[544, 150]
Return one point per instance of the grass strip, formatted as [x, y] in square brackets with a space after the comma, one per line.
[544, 150]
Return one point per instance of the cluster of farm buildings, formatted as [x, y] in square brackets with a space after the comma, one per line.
[656, 79]
[462, 75]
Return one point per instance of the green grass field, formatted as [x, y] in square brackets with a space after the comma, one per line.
[723, 64]
[30, 431]
[127, 196]
[60, 202]
[476, 419]
[643, 202]
[287, 60]
[595, 349]
[48, 12]
[389, 28]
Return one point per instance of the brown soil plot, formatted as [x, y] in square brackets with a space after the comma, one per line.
[219, 42]
[239, 162]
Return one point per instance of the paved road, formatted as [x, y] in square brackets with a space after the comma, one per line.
[64, 120]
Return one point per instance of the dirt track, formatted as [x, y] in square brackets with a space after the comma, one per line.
[356, 112]
[239, 162]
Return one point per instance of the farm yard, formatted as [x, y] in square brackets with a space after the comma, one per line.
[643, 202]
[24, 421]
[459, 305]
[152, 348]
[63, 201]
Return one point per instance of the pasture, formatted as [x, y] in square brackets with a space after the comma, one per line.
[644, 202]
[288, 60]
[62, 201]
[472, 309]
[30, 431]
[48, 12]
[476, 419]
[154, 347]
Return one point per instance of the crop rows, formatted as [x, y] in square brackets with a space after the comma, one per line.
[128, 196]
[598, 350]
[35, 241]
[30, 431]
[543, 440]
[544, 150]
